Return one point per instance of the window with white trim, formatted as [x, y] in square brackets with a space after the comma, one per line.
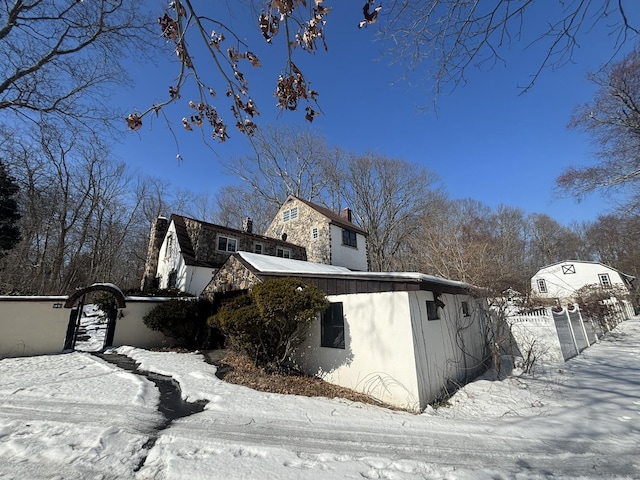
[290, 214]
[257, 248]
[314, 233]
[227, 244]
[605, 281]
[542, 285]
[283, 252]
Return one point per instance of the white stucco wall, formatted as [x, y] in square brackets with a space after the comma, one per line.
[130, 328]
[378, 358]
[345, 256]
[562, 285]
[196, 278]
[32, 325]
[449, 349]
[169, 261]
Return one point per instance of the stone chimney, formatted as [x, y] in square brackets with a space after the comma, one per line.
[156, 237]
[346, 214]
[247, 225]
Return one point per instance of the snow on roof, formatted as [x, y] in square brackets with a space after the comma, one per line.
[268, 264]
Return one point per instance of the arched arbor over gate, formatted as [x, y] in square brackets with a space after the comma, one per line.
[76, 303]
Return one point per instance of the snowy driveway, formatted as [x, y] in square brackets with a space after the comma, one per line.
[74, 416]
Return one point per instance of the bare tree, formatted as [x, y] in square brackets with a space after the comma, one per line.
[612, 120]
[387, 196]
[79, 215]
[288, 161]
[450, 37]
[58, 56]
[613, 241]
[551, 242]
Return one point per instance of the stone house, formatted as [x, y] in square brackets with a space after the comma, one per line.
[401, 337]
[329, 238]
[184, 253]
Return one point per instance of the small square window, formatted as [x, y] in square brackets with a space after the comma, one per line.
[332, 326]
[432, 310]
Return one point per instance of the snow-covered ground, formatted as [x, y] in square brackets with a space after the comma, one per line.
[92, 331]
[74, 416]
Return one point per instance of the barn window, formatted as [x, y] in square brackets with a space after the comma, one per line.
[227, 244]
[349, 238]
[542, 285]
[567, 269]
[604, 280]
[432, 310]
[332, 326]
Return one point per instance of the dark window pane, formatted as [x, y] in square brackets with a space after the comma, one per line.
[332, 327]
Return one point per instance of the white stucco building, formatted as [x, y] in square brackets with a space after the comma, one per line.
[403, 338]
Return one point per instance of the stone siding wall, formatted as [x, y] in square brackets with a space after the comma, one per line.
[205, 243]
[299, 231]
[156, 237]
[234, 276]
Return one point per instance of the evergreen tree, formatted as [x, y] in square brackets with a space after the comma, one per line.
[9, 215]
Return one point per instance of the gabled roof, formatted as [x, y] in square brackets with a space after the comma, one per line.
[333, 217]
[361, 282]
[630, 277]
[186, 246]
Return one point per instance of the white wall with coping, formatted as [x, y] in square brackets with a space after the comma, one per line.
[130, 328]
[378, 359]
[345, 256]
[32, 325]
[37, 325]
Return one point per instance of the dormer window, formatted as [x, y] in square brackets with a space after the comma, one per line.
[290, 214]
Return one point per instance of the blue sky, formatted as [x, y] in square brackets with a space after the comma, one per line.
[486, 141]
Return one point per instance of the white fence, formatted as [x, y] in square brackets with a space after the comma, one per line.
[554, 335]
